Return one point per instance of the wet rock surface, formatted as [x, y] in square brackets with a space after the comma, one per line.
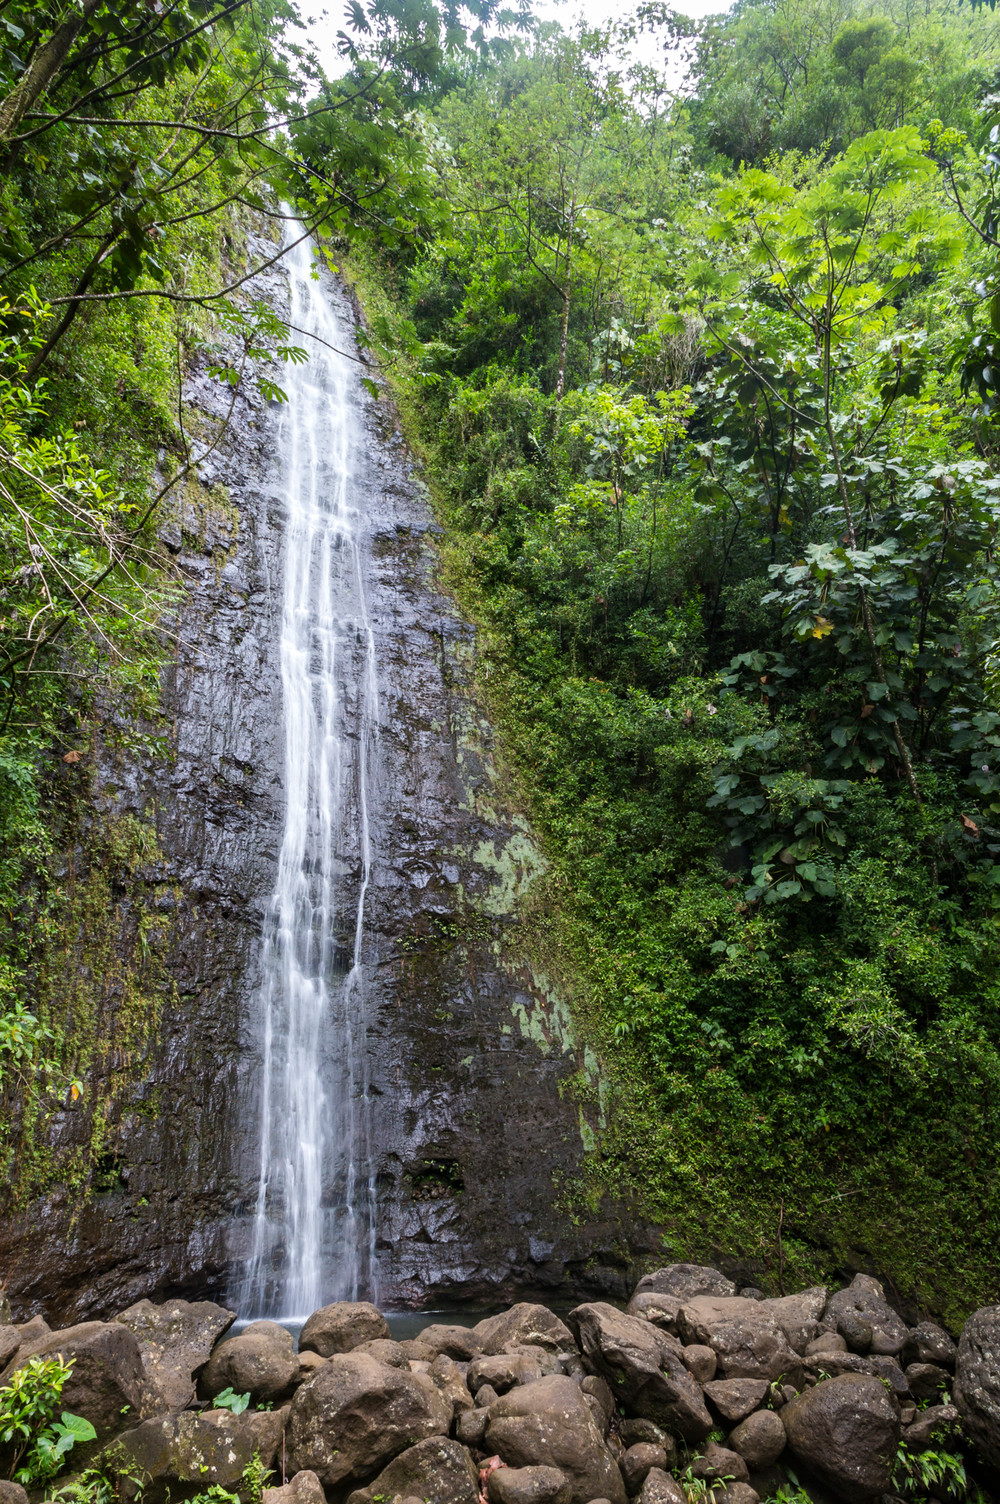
[384, 1423]
[468, 1047]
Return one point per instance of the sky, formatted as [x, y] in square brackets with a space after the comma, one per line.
[567, 12]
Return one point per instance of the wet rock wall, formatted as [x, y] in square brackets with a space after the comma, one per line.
[469, 1049]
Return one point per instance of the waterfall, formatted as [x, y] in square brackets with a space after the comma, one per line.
[314, 1225]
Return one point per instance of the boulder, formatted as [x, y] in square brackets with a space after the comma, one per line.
[470, 1428]
[735, 1398]
[451, 1385]
[637, 1462]
[760, 1439]
[864, 1298]
[976, 1390]
[382, 1348]
[304, 1488]
[643, 1368]
[107, 1385]
[747, 1338]
[831, 1365]
[660, 1488]
[175, 1340]
[528, 1485]
[547, 1423]
[309, 1362]
[31, 1330]
[342, 1326]
[632, 1430]
[719, 1462]
[415, 1351]
[523, 1325]
[661, 1310]
[736, 1493]
[459, 1342]
[935, 1421]
[846, 1430]
[10, 1341]
[12, 1493]
[485, 1396]
[798, 1315]
[599, 1391]
[436, 1470]
[355, 1414]
[261, 1362]
[928, 1343]
[502, 1372]
[212, 1447]
[826, 1342]
[700, 1362]
[685, 1281]
[926, 1380]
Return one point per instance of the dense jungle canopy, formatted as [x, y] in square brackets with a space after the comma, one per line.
[704, 381]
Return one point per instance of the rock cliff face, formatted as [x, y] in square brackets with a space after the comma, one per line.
[469, 1048]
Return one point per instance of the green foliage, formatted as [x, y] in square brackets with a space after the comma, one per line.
[36, 1444]
[734, 583]
[916, 1473]
[228, 1400]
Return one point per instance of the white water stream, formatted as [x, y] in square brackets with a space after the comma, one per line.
[314, 1226]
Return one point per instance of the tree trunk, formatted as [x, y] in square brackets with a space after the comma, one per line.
[567, 295]
[41, 70]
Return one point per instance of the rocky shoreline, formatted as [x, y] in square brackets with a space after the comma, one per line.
[698, 1393]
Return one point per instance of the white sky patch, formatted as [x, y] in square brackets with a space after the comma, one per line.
[322, 31]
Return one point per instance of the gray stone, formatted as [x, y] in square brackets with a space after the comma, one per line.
[342, 1326]
[304, 1488]
[737, 1493]
[355, 1414]
[12, 1493]
[633, 1429]
[847, 1431]
[502, 1372]
[700, 1362]
[436, 1471]
[930, 1424]
[261, 1362]
[865, 1299]
[661, 1310]
[643, 1368]
[485, 1396]
[382, 1348]
[798, 1315]
[856, 1330]
[929, 1343]
[826, 1342]
[459, 1342]
[547, 1423]
[977, 1381]
[748, 1340]
[524, 1324]
[529, 1485]
[686, 1281]
[31, 1330]
[660, 1488]
[10, 1341]
[175, 1340]
[720, 1462]
[760, 1439]
[599, 1389]
[107, 1385]
[926, 1380]
[213, 1447]
[735, 1398]
[831, 1365]
[637, 1462]
[451, 1385]
[470, 1428]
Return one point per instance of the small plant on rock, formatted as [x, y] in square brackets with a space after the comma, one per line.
[917, 1472]
[227, 1400]
[38, 1444]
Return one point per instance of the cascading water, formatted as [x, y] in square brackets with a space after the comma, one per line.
[314, 1227]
